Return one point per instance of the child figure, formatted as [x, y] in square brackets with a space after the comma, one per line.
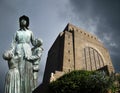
[35, 59]
[12, 80]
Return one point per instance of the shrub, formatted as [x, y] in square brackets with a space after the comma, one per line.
[82, 82]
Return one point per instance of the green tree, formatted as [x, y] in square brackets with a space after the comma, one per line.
[82, 82]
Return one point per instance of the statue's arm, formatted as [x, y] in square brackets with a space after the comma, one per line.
[39, 52]
[33, 58]
[14, 41]
[36, 56]
[32, 39]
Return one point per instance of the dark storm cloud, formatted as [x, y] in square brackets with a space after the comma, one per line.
[108, 25]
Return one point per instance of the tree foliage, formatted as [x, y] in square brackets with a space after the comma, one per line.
[82, 82]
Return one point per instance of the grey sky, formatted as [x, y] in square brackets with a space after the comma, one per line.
[101, 17]
[49, 17]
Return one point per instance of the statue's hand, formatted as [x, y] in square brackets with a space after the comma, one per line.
[28, 59]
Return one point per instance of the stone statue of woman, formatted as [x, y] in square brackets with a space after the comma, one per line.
[21, 46]
[12, 80]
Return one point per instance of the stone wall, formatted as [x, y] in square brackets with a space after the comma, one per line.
[75, 49]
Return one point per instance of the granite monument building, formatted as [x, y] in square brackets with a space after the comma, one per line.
[75, 49]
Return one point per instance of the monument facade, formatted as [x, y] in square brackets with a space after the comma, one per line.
[75, 49]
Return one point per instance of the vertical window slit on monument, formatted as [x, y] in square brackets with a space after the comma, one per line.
[68, 51]
[94, 59]
[90, 58]
[68, 70]
[101, 60]
[68, 60]
[94, 62]
[98, 59]
[85, 58]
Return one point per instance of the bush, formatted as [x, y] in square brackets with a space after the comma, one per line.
[82, 82]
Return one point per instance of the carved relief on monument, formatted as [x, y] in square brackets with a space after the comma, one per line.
[92, 59]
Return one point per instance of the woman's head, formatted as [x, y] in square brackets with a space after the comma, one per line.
[24, 22]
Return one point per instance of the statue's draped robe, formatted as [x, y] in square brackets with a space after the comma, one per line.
[21, 46]
[12, 80]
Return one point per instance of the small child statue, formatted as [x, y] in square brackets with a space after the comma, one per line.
[35, 59]
[12, 80]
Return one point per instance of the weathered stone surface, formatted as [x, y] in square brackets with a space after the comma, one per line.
[76, 49]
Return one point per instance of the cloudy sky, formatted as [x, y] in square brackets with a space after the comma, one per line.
[49, 17]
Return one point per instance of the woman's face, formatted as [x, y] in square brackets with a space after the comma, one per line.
[23, 22]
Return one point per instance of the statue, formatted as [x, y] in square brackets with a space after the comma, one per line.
[21, 44]
[52, 78]
[21, 47]
[35, 59]
[12, 80]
